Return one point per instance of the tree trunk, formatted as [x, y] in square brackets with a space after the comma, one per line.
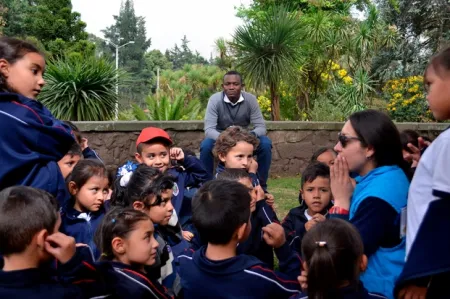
[275, 103]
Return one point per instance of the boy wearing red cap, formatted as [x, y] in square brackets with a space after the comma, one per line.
[153, 149]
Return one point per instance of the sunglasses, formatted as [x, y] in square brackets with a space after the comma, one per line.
[344, 139]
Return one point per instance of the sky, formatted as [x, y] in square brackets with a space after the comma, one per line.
[202, 21]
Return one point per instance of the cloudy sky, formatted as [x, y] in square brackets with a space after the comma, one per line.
[202, 21]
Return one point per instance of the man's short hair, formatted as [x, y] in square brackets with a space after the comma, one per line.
[24, 211]
[219, 208]
[233, 73]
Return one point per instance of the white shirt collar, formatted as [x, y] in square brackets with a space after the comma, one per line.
[227, 100]
[307, 215]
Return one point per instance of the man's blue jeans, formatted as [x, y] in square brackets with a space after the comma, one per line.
[263, 152]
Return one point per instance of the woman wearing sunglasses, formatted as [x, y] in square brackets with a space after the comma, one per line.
[369, 145]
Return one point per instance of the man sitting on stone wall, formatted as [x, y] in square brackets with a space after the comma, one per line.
[233, 107]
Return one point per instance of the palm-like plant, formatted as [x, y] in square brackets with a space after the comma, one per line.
[80, 89]
[165, 108]
[268, 51]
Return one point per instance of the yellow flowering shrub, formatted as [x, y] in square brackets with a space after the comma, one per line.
[406, 100]
[265, 106]
[337, 72]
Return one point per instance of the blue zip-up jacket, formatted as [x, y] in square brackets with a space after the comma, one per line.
[388, 184]
[89, 153]
[294, 225]
[125, 281]
[77, 278]
[428, 263]
[242, 276]
[350, 292]
[32, 141]
[82, 229]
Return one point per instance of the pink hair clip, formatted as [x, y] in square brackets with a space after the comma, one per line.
[321, 243]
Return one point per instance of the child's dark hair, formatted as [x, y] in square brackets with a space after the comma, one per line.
[230, 137]
[118, 222]
[75, 130]
[314, 170]
[75, 150]
[440, 64]
[332, 251]
[409, 136]
[145, 183]
[233, 174]
[320, 151]
[12, 50]
[24, 211]
[218, 209]
[85, 169]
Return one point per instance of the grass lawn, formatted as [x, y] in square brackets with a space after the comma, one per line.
[285, 191]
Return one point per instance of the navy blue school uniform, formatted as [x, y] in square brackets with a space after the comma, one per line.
[82, 226]
[125, 281]
[89, 153]
[294, 225]
[428, 262]
[242, 276]
[78, 278]
[32, 141]
[350, 292]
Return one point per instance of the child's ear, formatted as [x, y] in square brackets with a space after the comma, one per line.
[222, 157]
[118, 245]
[363, 263]
[40, 238]
[4, 67]
[243, 231]
[73, 189]
[138, 158]
[138, 205]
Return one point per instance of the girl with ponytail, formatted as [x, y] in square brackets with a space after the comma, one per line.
[333, 255]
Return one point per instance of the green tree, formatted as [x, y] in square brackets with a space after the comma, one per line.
[180, 56]
[268, 51]
[156, 60]
[80, 89]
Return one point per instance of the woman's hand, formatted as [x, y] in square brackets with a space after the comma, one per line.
[341, 183]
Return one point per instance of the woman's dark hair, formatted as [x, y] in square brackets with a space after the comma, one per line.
[12, 50]
[377, 130]
[145, 182]
[320, 151]
[409, 136]
[332, 250]
[85, 169]
[118, 222]
[440, 64]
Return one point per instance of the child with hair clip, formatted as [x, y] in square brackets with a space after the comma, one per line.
[151, 192]
[263, 219]
[32, 141]
[315, 201]
[427, 269]
[153, 148]
[234, 148]
[88, 185]
[334, 257]
[126, 239]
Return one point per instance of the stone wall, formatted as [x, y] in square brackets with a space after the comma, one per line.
[293, 142]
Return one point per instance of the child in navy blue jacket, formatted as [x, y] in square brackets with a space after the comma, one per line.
[334, 258]
[315, 200]
[32, 141]
[87, 152]
[234, 149]
[153, 149]
[126, 240]
[68, 162]
[89, 186]
[221, 214]
[149, 191]
[29, 238]
[262, 215]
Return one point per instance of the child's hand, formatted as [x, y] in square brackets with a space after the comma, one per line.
[270, 199]
[414, 157]
[303, 280]
[60, 246]
[274, 236]
[84, 143]
[253, 167]
[176, 153]
[413, 292]
[187, 235]
[259, 193]
[316, 219]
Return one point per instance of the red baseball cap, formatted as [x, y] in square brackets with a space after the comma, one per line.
[150, 133]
